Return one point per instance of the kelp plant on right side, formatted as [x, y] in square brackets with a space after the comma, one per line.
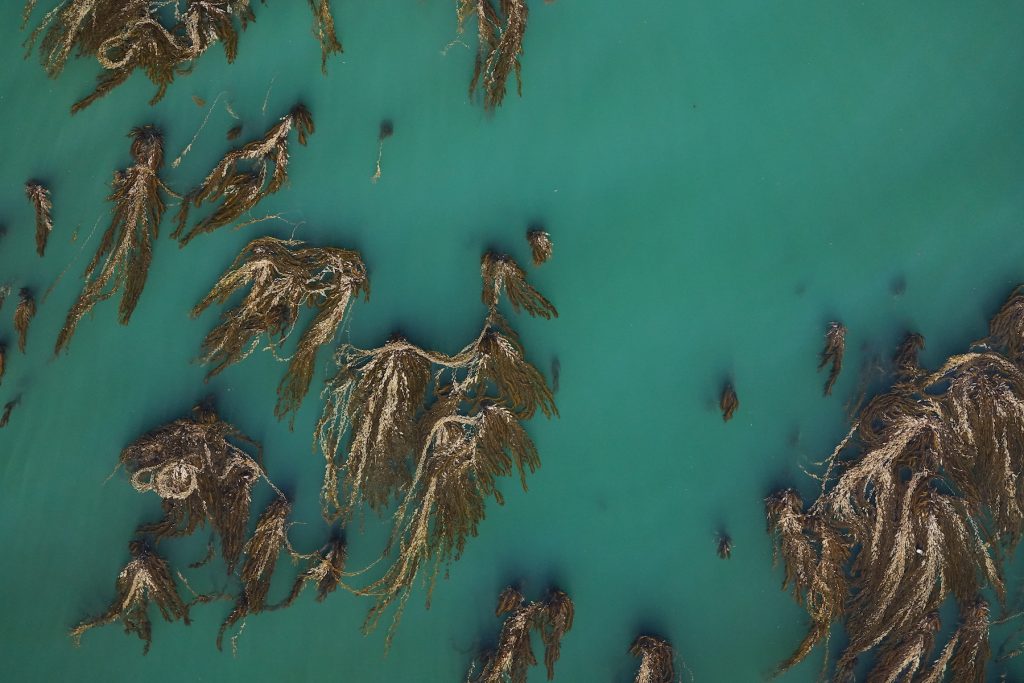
[500, 31]
[930, 505]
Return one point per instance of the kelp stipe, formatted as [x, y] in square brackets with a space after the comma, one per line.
[541, 246]
[39, 196]
[244, 176]
[657, 660]
[126, 248]
[835, 347]
[500, 31]
[387, 129]
[23, 315]
[729, 402]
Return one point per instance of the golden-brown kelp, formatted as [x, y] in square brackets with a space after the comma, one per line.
[1006, 329]
[323, 29]
[325, 568]
[39, 196]
[500, 33]
[500, 273]
[23, 315]
[657, 660]
[387, 129]
[5, 415]
[244, 176]
[967, 650]
[146, 578]
[510, 661]
[905, 362]
[234, 132]
[5, 291]
[285, 277]
[729, 403]
[724, 546]
[126, 249]
[541, 246]
[835, 346]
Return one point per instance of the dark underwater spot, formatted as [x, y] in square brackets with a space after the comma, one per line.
[898, 285]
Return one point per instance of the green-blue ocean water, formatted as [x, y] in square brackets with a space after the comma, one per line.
[720, 180]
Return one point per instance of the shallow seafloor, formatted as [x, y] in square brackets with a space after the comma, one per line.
[720, 180]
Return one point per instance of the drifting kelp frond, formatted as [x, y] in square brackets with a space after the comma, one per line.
[387, 129]
[905, 362]
[501, 273]
[325, 568]
[541, 246]
[244, 176]
[968, 649]
[724, 546]
[3, 361]
[285, 277]
[500, 33]
[147, 577]
[5, 415]
[23, 315]
[657, 660]
[39, 196]
[835, 347]
[126, 248]
[323, 29]
[513, 656]
[902, 660]
[729, 403]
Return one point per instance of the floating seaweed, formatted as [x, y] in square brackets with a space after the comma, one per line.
[500, 33]
[284, 277]
[724, 545]
[323, 29]
[39, 196]
[23, 315]
[729, 403]
[5, 415]
[234, 132]
[146, 578]
[905, 362]
[3, 360]
[325, 568]
[387, 129]
[541, 246]
[835, 346]
[657, 659]
[510, 661]
[126, 249]
[500, 273]
[5, 291]
[244, 176]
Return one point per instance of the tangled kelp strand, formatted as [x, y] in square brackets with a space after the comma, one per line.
[325, 568]
[500, 273]
[541, 246]
[39, 196]
[657, 659]
[905, 363]
[387, 129]
[835, 347]
[501, 25]
[23, 315]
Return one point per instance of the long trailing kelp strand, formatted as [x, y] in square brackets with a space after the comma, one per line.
[146, 578]
[126, 249]
[323, 29]
[39, 196]
[835, 347]
[284, 277]
[23, 315]
[930, 507]
[500, 31]
[500, 273]
[244, 176]
[657, 660]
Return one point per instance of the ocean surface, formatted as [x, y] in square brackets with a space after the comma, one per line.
[720, 181]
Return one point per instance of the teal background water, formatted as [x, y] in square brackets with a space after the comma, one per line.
[720, 181]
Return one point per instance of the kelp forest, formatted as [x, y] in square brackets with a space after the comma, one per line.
[898, 543]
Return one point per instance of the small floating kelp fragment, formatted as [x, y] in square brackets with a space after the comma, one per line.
[729, 403]
[244, 176]
[387, 129]
[147, 577]
[323, 29]
[39, 196]
[284, 277]
[540, 245]
[500, 273]
[234, 132]
[325, 568]
[126, 249]
[657, 660]
[5, 415]
[724, 546]
[500, 33]
[261, 553]
[905, 362]
[835, 346]
[510, 661]
[3, 361]
[199, 101]
[23, 315]
[5, 291]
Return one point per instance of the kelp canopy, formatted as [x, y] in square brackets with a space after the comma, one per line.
[501, 26]
[159, 37]
[126, 248]
[931, 506]
[284, 277]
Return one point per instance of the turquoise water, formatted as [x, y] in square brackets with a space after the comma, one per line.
[720, 181]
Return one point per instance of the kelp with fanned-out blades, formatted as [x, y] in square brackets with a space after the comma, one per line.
[39, 196]
[501, 26]
[541, 246]
[23, 314]
[657, 660]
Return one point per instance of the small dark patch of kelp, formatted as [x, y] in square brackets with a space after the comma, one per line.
[513, 656]
[929, 505]
[729, 402]
[657, 660]
[835, 347]
[724, 545]
[126, 248]
[39, 196]
[284, 277]
[244, 176]
[387, 129]
[23, 315]
[541, 247]
[5, 414]
[501, 25]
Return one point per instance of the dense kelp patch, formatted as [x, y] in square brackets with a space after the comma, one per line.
[501, 26]
[657, 660]
[23, 314]
[541, 246]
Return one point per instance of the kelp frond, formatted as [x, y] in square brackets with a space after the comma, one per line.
[387, 129]
[284, 277]
[3, 361]
[146, 578]
[325, 569]
[967, 651]
[541, 246]
[1006, 329]
[500, 32]
[244, 176]
[905, 362]
[657, 660]
[729, 403]
[23, 315]
[323, 29]
[126, 248]
[39, 197]
[835, 347]
[501, 273]
[724, 546]
[5, 414]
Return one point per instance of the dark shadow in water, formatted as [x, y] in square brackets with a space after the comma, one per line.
[556, 372]
[898, 285]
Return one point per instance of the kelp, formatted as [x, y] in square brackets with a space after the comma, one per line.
[929, 507]
[39, 196]
[729, 402]
[905, 363]
[387, 129]
[323, 29]
[724, 546]
[146, 578]
[284, 276]
[501, 274]
[3, 361]
[541, 246]
[244, 176]
[23, 315]
[657, 659]
[126, 248]
[501, 25]
[234, 132]
[510, 661]
[5, 414]
[325, 568]
[835, 347]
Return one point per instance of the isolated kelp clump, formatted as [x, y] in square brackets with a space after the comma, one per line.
[162, 38]
[39, 196]
[657, 660]
[23, 315]
[929, 506]
[283, 277]
[501, 26]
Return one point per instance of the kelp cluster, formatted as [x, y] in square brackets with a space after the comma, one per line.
[929, 506]
[728, 402]
[501, 26]
[23, 314]
[657, 660]
[835, 347]
[541, 246]
[512, 657]
[124, 36]
[435, 432]
[39, 196]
